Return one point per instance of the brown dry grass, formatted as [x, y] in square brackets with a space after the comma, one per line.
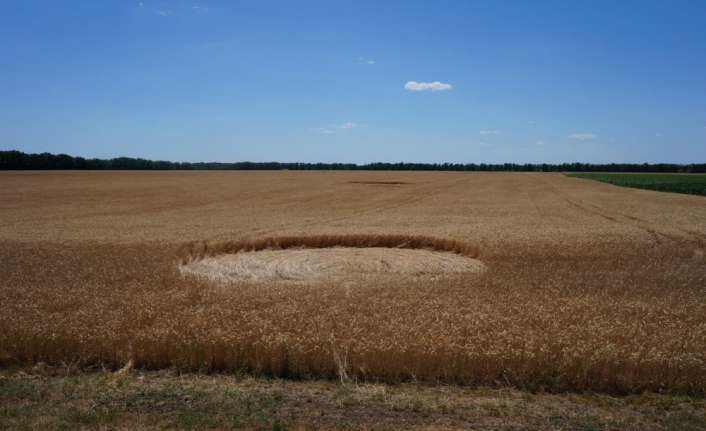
[42, 397]
[589, 286]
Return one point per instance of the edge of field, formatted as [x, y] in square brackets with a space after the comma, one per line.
[63, 398]
[657, 182]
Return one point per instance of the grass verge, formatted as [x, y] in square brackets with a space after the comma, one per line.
[56, 398]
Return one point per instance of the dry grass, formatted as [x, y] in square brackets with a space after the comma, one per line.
[589, 287]
[46, 398]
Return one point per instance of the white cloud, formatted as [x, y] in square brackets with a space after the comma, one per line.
[489, 132]
[141, 4]
[421, 86]
[582, 136]
[539, 143]
[332, 128]
[363, 60]
[163, 12]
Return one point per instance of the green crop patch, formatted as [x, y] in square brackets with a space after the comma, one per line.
[694, 184]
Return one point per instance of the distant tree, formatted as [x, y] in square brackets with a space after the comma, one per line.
[13, 160]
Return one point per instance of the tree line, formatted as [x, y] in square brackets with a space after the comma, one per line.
[17, 160]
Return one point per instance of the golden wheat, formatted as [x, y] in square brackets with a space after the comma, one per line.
[588, 287]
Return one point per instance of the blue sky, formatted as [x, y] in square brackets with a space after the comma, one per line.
[356, 81]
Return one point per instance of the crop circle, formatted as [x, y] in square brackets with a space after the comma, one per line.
[339, 259]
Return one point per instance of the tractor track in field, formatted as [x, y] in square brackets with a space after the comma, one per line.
[655, 231]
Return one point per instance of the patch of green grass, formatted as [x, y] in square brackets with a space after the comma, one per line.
[19, 389]
[197, 420]
[74, 417]
[694, 184]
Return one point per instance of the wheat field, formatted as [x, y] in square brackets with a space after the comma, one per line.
[587, 286]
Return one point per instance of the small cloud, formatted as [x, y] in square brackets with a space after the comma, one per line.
[539, 143]
[658, 134]
[582, 136]
[489, 132]
[331, 129]
[323, 130]
[484, 144]
[199, 8]
[163, 12]
[422, 86]
[141, 4]
[363, 60]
